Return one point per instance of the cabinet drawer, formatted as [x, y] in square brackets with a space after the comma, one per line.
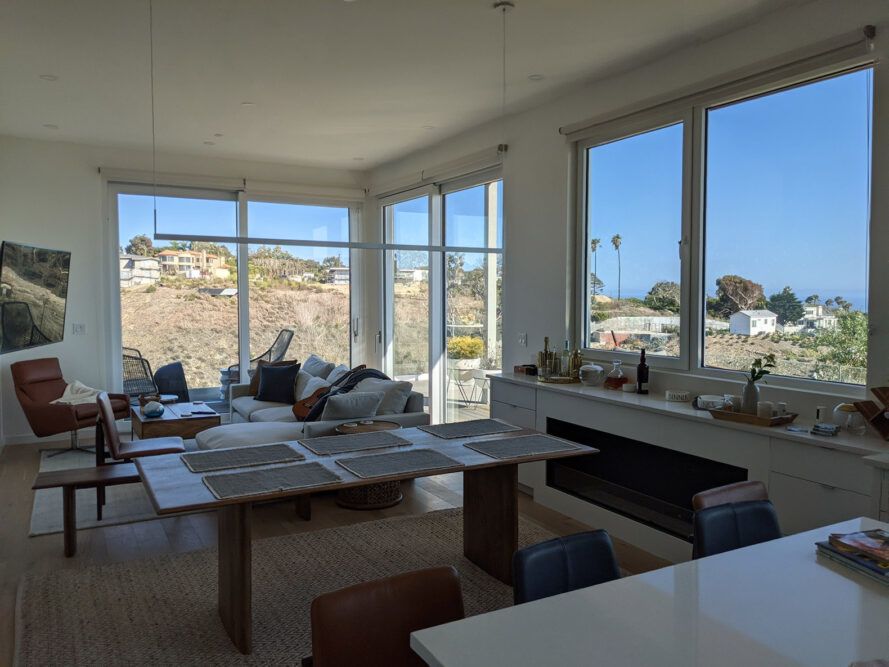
[513, 394]
[513, 415]
[804, 505]
[817, 464]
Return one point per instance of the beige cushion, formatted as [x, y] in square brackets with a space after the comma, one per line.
[283, 413]
[307, 384]
[353, 405]
[247, 405]
[316, 366]
[242, 435]
[337, 373]
[396, 394]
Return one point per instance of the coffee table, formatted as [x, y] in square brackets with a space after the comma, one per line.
[372, 496]
[172, 422]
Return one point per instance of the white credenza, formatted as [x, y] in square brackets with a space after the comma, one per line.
[812, 481]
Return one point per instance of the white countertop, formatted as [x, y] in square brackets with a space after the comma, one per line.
[772, 605]
[863, 445]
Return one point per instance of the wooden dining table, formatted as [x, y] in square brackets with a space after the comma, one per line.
[490, 509]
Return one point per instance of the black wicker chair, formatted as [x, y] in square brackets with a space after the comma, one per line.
[275, 353]
[137, 376]
[170, 379]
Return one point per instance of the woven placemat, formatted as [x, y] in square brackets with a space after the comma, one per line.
[523, 445]
[397, 463]
[269, 480]
[469, 429]
[240, 457]
[353, 442]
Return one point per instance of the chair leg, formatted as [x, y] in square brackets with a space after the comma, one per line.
[73, 446]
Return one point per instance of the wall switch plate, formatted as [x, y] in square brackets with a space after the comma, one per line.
[523, 339]
[78, 329]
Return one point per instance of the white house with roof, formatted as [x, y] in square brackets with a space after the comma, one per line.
[817, 316]
[753, 322]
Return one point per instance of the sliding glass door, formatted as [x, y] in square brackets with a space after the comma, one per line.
[443, 295]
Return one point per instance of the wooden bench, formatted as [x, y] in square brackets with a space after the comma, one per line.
[82, 478]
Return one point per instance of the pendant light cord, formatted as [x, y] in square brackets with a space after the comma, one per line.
[504, 6]
[153, 124]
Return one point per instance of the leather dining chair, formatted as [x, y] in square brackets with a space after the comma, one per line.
[119, 451]
[370, 624]
[563, 564]
[37, 383]
[730, 493]
[734, 525]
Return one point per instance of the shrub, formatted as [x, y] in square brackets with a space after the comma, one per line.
[151, 289]
[465, 347]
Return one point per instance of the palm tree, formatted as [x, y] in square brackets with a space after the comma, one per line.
[615, 241]
[594, 246]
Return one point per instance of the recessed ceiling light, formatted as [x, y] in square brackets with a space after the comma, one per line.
[209, 143]
[248, 104]
[357, 159]
[536, 77]
[49, 77]
[428, 127]
[50, 126]
[218, 134]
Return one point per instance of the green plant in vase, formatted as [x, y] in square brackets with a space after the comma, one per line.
[758, 370]
[465, 352]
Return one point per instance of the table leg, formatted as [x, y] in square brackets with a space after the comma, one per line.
[69, 519]
[491, 519]
[235, 574]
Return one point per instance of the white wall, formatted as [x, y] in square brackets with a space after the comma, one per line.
[51, 195]
[538, 168]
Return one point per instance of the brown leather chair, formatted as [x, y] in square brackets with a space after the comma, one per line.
[37, 382]
[738, 492]
[370, 624]
[120, 452]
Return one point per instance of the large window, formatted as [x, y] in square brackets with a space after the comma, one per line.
[732, 229]
[786, 230]
[179, 298]
[634, 216]
[305, 289]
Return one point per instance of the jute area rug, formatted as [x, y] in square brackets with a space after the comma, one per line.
[162, 611]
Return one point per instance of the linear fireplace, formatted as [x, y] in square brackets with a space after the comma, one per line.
[651, 484]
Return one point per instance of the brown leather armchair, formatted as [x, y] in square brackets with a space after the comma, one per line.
[371, 623]
[37, 382]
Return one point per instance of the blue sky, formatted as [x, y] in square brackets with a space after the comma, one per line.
[787, 195]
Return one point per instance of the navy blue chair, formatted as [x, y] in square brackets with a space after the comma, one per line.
[563, 564]
[170, 379]
[734, 525]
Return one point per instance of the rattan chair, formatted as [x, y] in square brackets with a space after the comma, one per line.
[275, 353]
[137, 376]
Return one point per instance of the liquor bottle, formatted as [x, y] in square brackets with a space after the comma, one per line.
[566, 359]
[642, 375]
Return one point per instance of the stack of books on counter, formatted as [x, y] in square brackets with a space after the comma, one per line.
[867, 552]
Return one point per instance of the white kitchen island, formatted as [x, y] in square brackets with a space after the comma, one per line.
[775, 604]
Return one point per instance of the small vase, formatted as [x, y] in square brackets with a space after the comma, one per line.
[751, 398]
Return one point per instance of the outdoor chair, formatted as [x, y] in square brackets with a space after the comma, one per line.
[137, 376]
[275, 353]
[170, 379]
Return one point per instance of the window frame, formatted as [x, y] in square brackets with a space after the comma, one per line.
[625, 128]
[693, 111]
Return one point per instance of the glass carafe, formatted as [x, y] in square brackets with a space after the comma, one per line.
[616, 378]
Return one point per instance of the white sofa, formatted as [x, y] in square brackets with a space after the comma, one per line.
[255, 422]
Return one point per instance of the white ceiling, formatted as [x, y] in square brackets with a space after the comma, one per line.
[331, 80]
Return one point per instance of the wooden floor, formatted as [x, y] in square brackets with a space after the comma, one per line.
[20, 554]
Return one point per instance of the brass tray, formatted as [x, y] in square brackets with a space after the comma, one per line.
[744, 418]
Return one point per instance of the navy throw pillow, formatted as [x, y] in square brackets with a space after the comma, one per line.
[276, 383]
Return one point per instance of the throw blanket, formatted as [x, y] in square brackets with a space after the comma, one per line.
[77, 393]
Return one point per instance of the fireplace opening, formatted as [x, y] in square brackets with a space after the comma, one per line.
[650, 484]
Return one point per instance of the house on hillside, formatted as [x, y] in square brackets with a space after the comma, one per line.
[753, 322]
[192, 264]
[338, 275]
[412, 275]
[817, 316]
[138, 270]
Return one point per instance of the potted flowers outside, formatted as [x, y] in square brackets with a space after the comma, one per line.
[465, 352]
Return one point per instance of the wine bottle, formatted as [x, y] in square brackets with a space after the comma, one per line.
[642, 375]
